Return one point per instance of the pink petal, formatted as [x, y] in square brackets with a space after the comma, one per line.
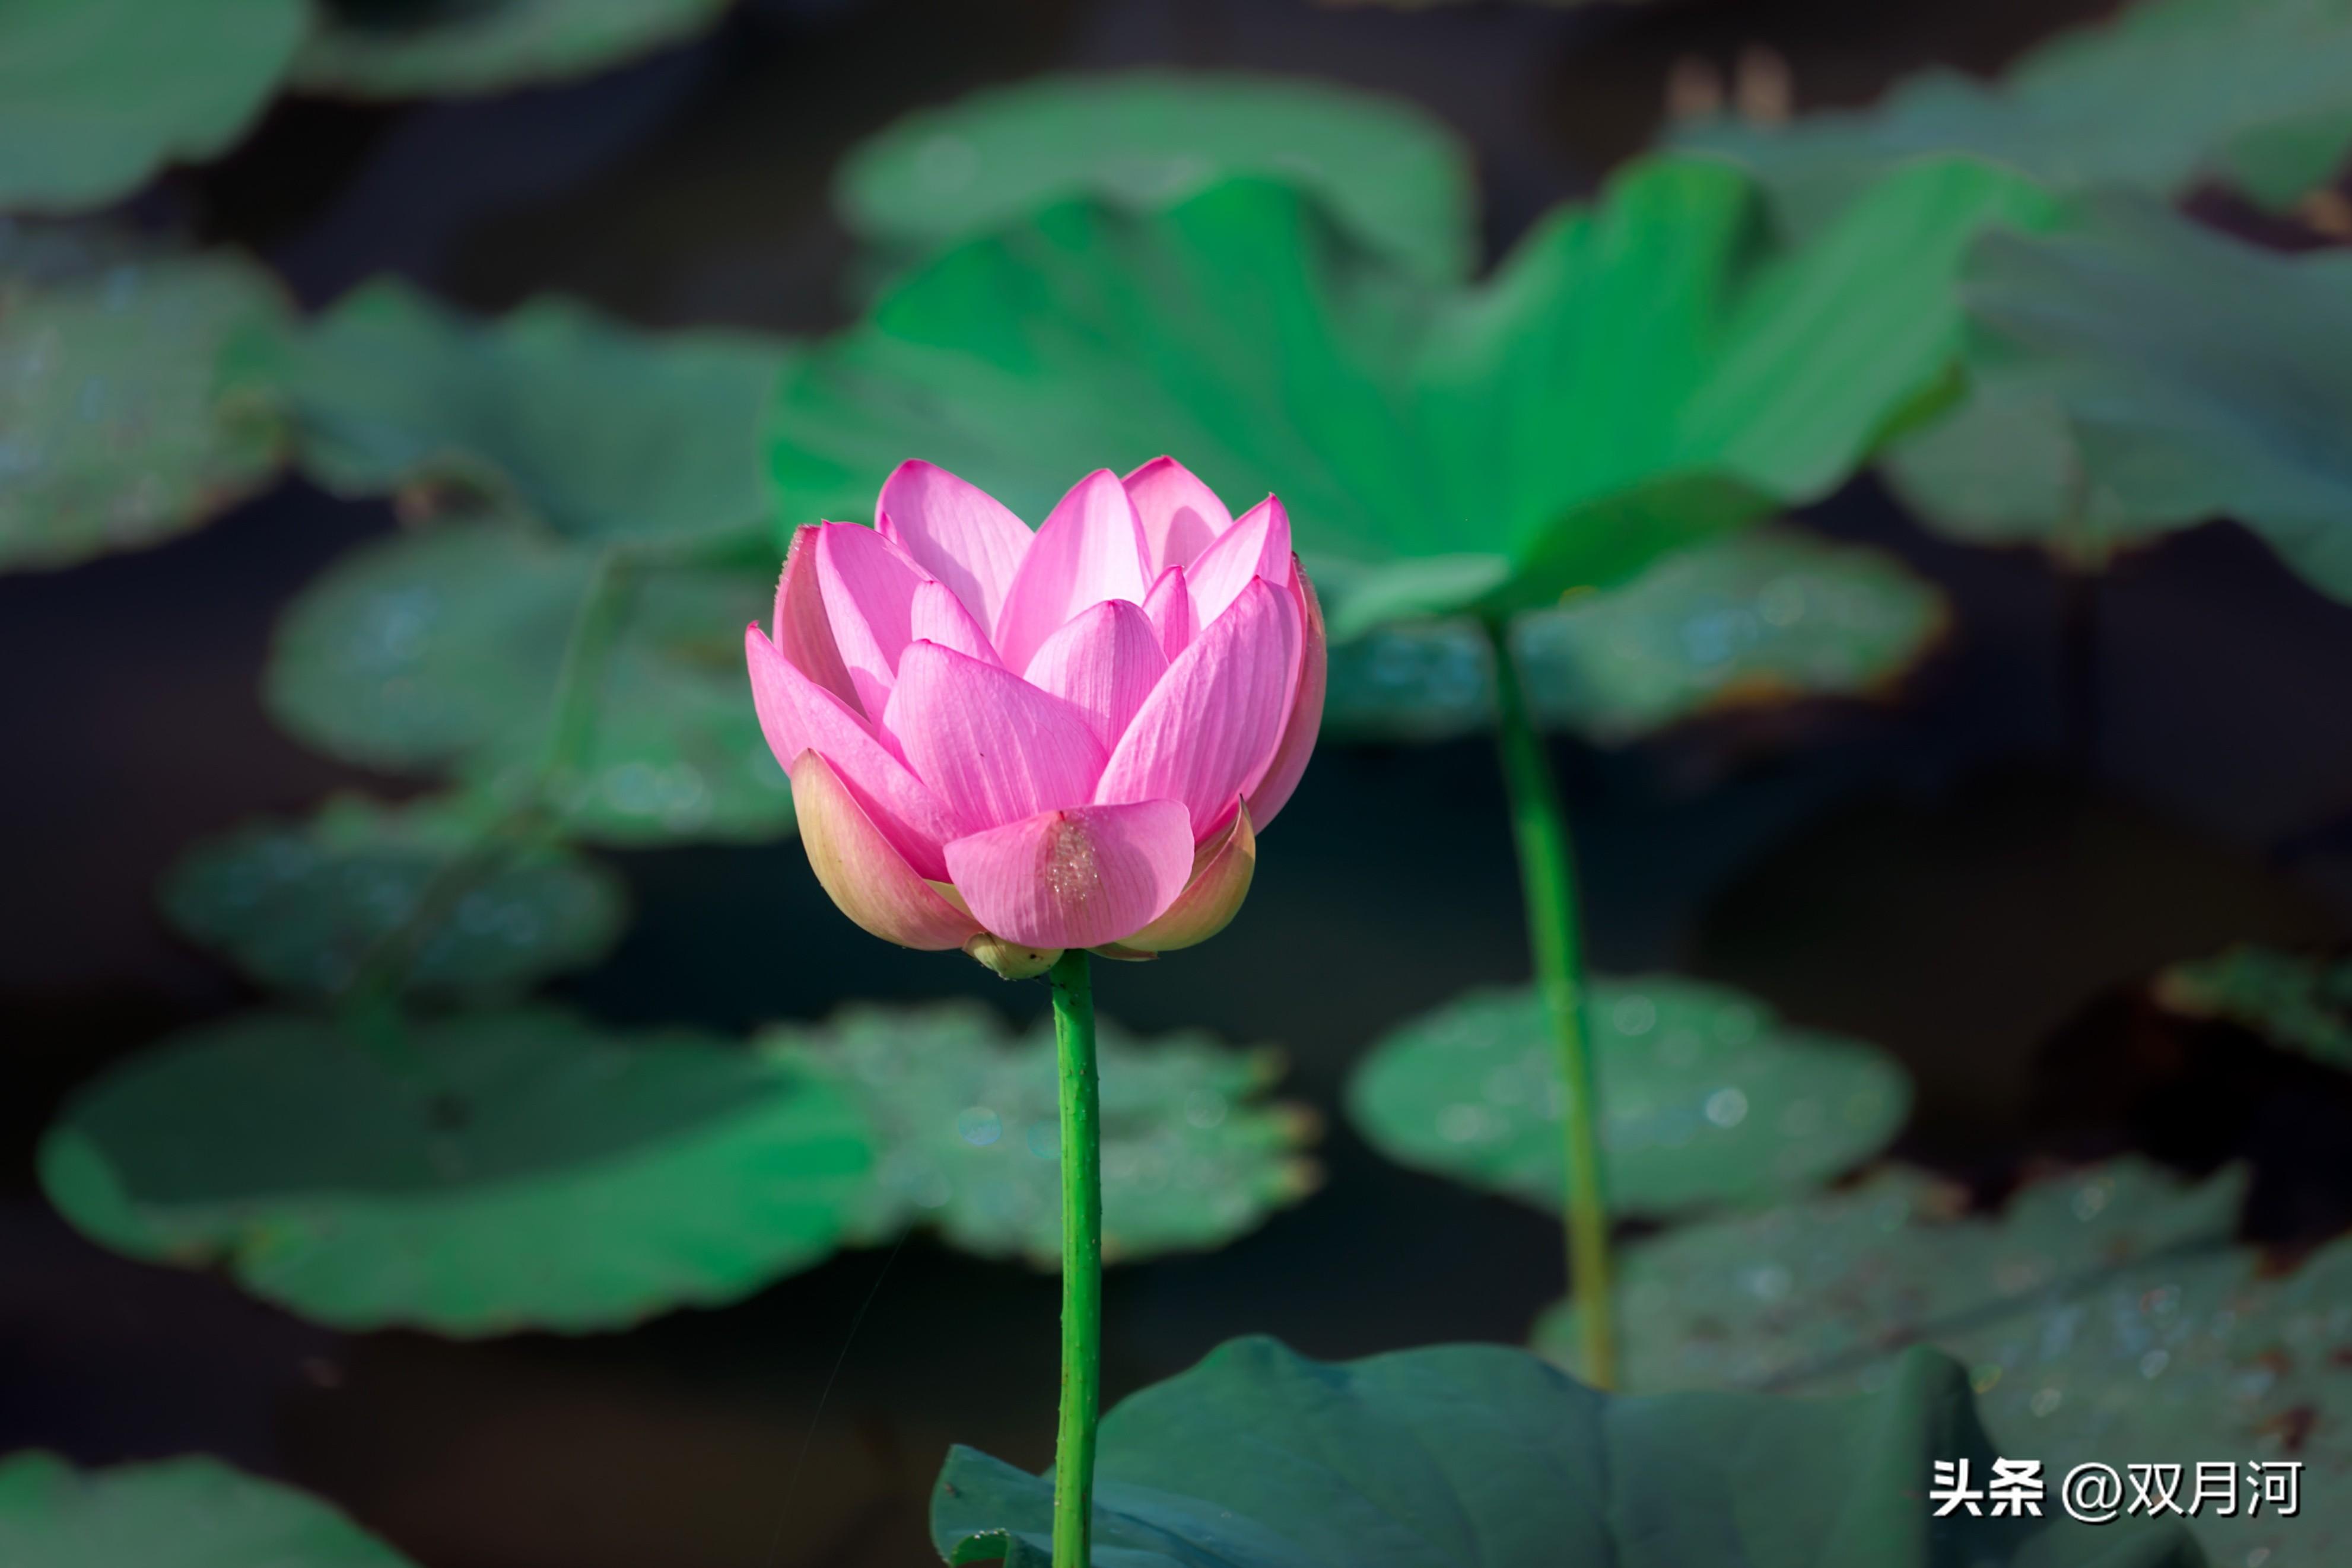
[1221, 870]
[1258, 546]
[941, 617]
[1089, 549]
[797, 715]
[863, 871]
[956, 531]
[869, 596]
[1169, 606]
[1180, 516]
[803, 634]
[992, 746]
[1106, 661]
[1214, 720]
[1271, 793]
[1076, 878]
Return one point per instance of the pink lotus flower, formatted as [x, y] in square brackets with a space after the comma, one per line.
[1018, 743]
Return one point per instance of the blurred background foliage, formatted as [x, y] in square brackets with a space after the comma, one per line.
[1617, 377]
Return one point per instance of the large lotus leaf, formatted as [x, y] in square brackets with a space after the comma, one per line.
[138, 390]
[478, 1175]
[1639, 374]
[1765, 616]
[601, 430]
[2170, 94]
[2005, 469]
[485, 45]
[1192, 1156]
[178, 1513]
[2105, 1317]
[1387, 173]
[2202, 377]
[441, 649]
[1706, 1097]
[305, 906]
[1258, 1457]
[2301, 1001]
[96, 95]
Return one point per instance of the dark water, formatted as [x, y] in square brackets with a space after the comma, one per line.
[1975, 876]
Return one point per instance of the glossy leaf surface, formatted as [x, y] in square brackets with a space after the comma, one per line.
[1706, 1099]
[1476, 1453]
[1637, 375]
[488, 1173]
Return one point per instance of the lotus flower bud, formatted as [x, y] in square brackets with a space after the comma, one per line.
[1017, 743]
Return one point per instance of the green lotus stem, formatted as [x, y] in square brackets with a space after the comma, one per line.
[1081, 1098]
[1547, 877]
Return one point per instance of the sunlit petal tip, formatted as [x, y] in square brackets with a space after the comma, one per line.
[1272, 791]
[1076, 878]
[1011, 961]
[1211, 899]
[862, 872]
[1089, 548]
[1180, 516]
[954, 530]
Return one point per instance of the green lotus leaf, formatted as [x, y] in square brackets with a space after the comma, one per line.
[478, 1175]
[2104, 1317]
[2200, 377]
[441, 651]
[485, 45]
[1193, 1156]
[1765, 616]
[1638, 375]
[138, 390]
[1387, 171]
[177, 1514]
[2169, 95]
[1258, 1457]
[305, 906]
[1706, 1099]
[2301, 1001]
[602, 432]
[97, 95]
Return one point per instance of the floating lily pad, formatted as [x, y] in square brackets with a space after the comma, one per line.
[2202, 377]
[97, 95]
[1388, 173]
[1766, 616]
[1706, 1098]
[2299, 1001]
[602, 432]
[304, 907]
[1192, 1157]
[1474, 1454]
[478, 1175]
[485, 45]
[442, 650]
[2169, 95]
[179, 1513]
[1640, 374]
[2104, 1317]
[138, 393]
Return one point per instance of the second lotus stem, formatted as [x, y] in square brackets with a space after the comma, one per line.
[1081, 1105]
[1555, 935]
